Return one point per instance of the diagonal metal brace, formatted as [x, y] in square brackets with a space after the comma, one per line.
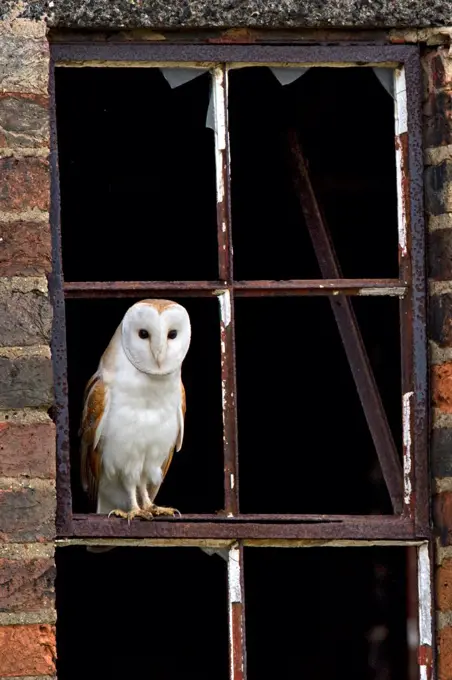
[349, 330]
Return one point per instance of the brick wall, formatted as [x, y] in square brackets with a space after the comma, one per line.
[437, 64]
[27, 435]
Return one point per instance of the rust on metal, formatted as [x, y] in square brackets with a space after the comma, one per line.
[99, 289]
[225, 296]
[236, 613]
[349, 330]
[385, 528]
[59, 356]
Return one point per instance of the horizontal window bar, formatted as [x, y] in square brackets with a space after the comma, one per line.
[334, 56]
[94, 289]
[365, 527]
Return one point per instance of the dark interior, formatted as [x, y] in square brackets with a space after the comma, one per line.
[162, 613]
[304, 443]
[137, 176]
[326, 613]
[344, 119]
[158, 613]
[138, 203]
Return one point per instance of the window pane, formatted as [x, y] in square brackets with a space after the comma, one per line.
[326, 613]
[137, 173]
[157, 613]
[304, 443]
[345, 122]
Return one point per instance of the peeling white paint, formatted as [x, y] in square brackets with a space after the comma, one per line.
[225, 307]
[232, 480]
[223, 400]
[406, 421]
[223, 227]
[401, 126]
[424, 595]
[401, 109]
[220, 127]
[235, 590]
[395, 291]
[401, 212]
[423, 672]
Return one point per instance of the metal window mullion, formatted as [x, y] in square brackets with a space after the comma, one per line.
[236, 613]
[225, 295]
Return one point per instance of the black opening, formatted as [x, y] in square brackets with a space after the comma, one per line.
[141, 613]
[345, 122]
[304, 443]
[137, 176]
[326, 613]
[194, 482]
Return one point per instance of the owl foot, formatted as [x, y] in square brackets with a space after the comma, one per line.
[129, 515]
[158, 511]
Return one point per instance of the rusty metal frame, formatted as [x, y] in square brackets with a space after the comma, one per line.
[412, 523]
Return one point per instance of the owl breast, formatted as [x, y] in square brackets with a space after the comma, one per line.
[140, 431]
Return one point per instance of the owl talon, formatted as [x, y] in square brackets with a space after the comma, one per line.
[127, 515]
[158, 511]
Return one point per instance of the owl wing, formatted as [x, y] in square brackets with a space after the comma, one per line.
[95, 409]
[153, 488]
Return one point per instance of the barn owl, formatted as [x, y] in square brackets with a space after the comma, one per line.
[134, 410]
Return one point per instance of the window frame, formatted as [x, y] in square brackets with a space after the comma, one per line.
[413, 523]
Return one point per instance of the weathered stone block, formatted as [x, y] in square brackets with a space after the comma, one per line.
[438, 188]
[440, 319]
[26, 585]
[25, 184]
[224, 13]
[24, 121]
[27, 449]
[27, 650]
[27, 511]
[25, 248]
[25, 312]
[24, 63]
[440, 452]
[440, 254]
[26, 378]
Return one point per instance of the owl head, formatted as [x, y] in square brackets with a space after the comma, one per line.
[156, 336]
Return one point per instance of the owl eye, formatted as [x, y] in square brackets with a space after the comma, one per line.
[143, 333]
[172, 335]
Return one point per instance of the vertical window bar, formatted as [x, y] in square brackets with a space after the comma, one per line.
[237, 646]
[406, 316]
[225, 296]
[59, 354]
[219, 86]
[425, 601]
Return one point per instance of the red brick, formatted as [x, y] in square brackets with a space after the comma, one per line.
[26, 585]
[25, 248]
[444, 585]
[444, 641]
[25, 184]
[27, 449]
[27, 650]
[442, 387]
